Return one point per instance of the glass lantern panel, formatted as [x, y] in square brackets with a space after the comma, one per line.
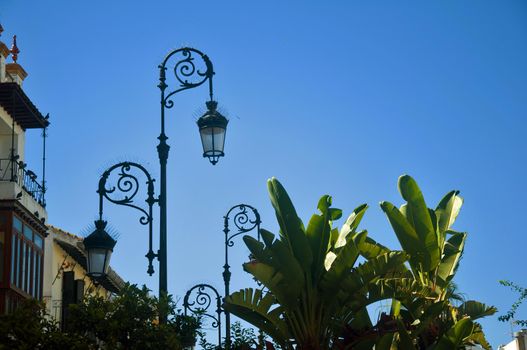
[212, 139]
[97, 261]
[206, 139]
[219, 139]
[107, 262]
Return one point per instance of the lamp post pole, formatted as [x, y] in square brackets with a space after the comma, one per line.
[189, 77]
[245, 219]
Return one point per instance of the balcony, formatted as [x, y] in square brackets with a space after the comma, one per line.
[17, 172]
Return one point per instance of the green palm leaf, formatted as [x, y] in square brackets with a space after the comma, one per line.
[456, 335]
[475, 309]
[250, 306]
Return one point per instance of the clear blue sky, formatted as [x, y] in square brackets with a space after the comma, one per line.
[337, 97]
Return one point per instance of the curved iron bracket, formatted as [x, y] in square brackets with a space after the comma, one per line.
[187, 74]
[203, 295]
[123, 192]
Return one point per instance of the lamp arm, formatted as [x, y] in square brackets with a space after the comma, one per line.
[187, 74]
[124, 192]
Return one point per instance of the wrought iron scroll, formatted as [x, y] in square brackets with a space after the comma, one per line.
[119, 184]
[198, 301]
[187, 72]
[245, 219]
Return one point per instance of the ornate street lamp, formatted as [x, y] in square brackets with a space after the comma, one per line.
[99, 246]
[212, 129]
[212, 126]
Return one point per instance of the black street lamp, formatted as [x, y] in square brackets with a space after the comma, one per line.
[99, 245]
[212, 127]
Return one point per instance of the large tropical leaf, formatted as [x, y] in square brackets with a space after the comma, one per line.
[452, 252]
[478, 337]
[291, 227]
[404, 290]
[318, 233]
[448, 209]
[351, 224]
[358, 284]
[385, 342]
[344, 259]
[405, 340]
[407, 237]
[430, 315]
[281, 274]
[257, 309]
[420, 219]
[456, 336]
[368, 247]
[284, 289]
[475, 309]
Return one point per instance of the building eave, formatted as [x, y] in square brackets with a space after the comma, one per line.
[14, 100]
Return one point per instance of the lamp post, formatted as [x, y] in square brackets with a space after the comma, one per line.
[245, 218]
[212, 128]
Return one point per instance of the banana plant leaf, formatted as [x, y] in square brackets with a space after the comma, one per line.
[456, 335]
[291, 227]
[420, 219]
[261, 311]
[452, 252]
[475, 309]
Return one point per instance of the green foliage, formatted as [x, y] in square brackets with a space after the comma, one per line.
[30, 328]
[435, 249]
[130, 321]
[126, 321]
[316, 293]
[514, 308]
[314, 284]
[241, 339]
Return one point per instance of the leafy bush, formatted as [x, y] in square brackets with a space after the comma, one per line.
[126, 321]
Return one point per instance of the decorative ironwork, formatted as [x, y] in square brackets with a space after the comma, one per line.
[16, 171]
[199, 299]
[188, 76]
[124, 187]
[186, 72]
[245, 219]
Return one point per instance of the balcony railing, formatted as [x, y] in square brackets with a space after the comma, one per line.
[16, 171]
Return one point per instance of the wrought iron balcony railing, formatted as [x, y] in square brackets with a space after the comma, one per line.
[16, 171]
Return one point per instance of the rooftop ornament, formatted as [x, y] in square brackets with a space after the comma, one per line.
[14, 49]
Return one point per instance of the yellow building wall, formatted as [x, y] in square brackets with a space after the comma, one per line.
[57, 261]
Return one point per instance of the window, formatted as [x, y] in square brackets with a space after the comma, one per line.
[23, 280]
[21, 261]
[37, 277]
[17, 224]
[26, 258]
[2, 254]
[14, 265]
[28, 233]
[39, 242]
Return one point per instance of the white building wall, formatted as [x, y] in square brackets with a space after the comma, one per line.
[6, 123]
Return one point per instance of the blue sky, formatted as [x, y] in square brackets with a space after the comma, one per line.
[337, 97]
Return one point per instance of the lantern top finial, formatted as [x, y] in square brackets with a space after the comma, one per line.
[99, 238]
